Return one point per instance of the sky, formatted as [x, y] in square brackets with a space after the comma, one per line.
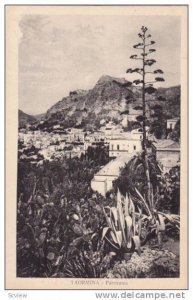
[59, 54]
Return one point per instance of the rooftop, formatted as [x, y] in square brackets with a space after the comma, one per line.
[173, 119]
[169, 162]
[113, 167]
[166, 144]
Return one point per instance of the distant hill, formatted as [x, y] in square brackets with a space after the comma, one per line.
[172, 95]
[25, 118]
[109, 99]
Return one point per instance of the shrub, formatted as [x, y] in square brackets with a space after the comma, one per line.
[151, 264]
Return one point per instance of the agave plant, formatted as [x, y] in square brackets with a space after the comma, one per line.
[92, 263]
[156, 221]
[124, 225]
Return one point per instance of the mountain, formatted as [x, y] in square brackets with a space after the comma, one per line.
[171, 106]
[110, 98]
[25, 118]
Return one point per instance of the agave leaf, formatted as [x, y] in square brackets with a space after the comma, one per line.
[107, 218]
[159, 238]
[145, 217]
[129, 231]
[114, 237]
[134, 224]
[137, 243]
[174, 219]
[140, 211]
[93, 235]
[111, 243]
[119, 237]
[115, 215]
[139, 226]
[113, 230]
[144, 202]
[126, 205]
[118, 197]
[128, 221]
[162, 225]
[132, 206]
[133, 215]
[129, 244]
[121, 219]
[113, 233]
[157, 226]
[105, 231]
[113, 226]
[151, 197]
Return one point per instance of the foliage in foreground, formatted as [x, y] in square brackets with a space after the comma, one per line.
[124, 225]
[165, 187]
[58, 216]
[130, 226]
[151, 264]
[66, 230]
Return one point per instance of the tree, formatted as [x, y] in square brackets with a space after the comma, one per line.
[147, 87]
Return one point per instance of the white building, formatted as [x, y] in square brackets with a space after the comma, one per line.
[103, 180]
[137, 134]
[127, 143]
[171, 123]
[167, 153]
[111, 129]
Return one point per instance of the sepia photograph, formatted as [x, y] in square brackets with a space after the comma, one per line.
[96, 137]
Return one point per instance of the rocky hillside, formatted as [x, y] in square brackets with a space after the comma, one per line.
[172, 95]
[110, 98]
[25, 118]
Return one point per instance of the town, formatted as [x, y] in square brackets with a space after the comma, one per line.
[38, 146]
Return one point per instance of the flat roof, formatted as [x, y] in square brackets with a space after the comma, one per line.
[166, 144]
[173, 119]
[113, 167]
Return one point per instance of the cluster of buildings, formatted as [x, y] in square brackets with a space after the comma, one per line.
[123, 145]
[123, 148]
[39, 145]
[75, 141]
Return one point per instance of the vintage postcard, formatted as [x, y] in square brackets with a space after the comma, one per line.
[96, 147]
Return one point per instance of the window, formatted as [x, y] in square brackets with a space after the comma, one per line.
[117, 147]
[134, 147]
[170, 125]
[111, 147]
